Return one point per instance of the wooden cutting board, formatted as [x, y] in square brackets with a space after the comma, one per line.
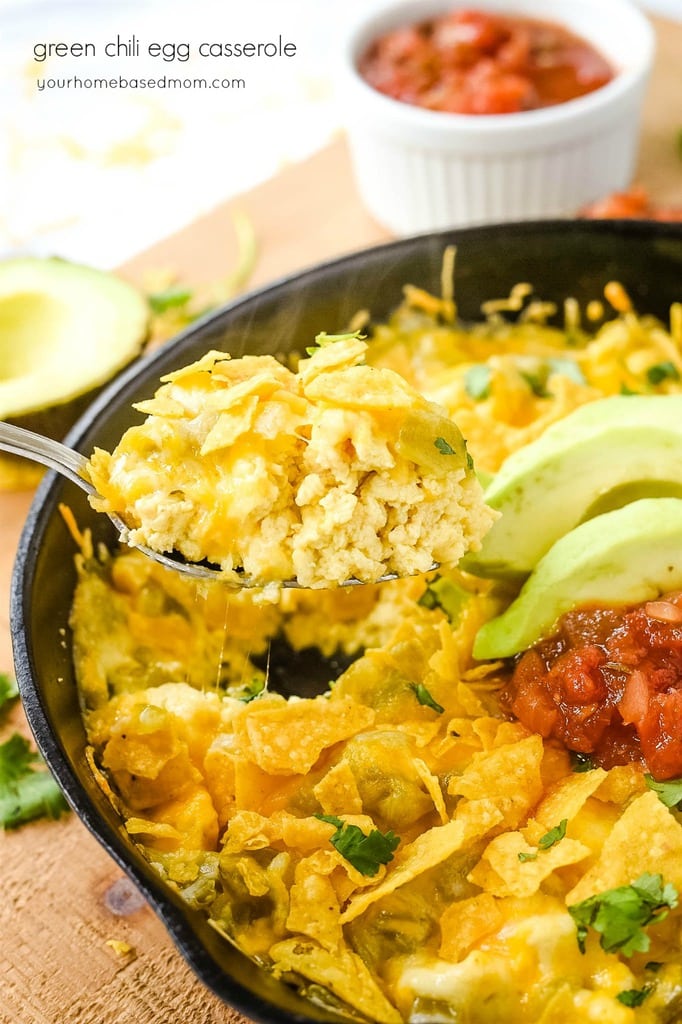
[63, 899]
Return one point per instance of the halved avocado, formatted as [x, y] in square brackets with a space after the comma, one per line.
[65, 331]
[627, 556]
[600, 457]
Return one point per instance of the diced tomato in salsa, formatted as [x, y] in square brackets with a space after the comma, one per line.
[632, 205]
[608, 683]
[475, 62]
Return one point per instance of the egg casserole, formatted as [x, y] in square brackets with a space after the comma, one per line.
[397, 847]
[339, 471]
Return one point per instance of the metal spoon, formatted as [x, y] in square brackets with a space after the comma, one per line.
[73, 465]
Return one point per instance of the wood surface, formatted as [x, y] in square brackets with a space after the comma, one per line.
[62, 898]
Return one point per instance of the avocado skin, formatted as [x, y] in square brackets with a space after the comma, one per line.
[602, 456]
[624, 557]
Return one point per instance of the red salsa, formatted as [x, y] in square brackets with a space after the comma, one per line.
[634, 204]
[476, 62]
[608, 683]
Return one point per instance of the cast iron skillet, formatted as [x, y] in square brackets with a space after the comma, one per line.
[560, 259]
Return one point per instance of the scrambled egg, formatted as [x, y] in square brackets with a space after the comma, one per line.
[396, 847]
[339, 471]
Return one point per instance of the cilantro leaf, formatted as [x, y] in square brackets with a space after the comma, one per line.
[25, 794]
[9, 690]
[551, 838]
[170, 298]
[581, 763]
[537, 383]
[554, 836]
[477, 381]
[634, 996]
[669, 791]
[425, 698]
[365, 852]
[443, 447]
[621, 914]
[659, 372]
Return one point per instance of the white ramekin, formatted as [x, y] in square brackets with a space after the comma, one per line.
[420, 170]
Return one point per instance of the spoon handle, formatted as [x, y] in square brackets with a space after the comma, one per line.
[50, 453]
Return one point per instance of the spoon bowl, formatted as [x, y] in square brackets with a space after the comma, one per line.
[74, 466]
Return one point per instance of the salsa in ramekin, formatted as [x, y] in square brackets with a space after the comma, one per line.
[480, 62]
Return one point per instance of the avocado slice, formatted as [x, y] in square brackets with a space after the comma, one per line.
[65, 330]
[623, 557]
[600, 457]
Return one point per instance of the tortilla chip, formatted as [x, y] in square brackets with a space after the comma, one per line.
[501, 873]
[428, 849]
[508, 775]
[337, 791]
[314, 910]
[465, 923]
[622, 783]
[287, 739]
[342, 972]
[432, 787]
[646, 837]
[566, 798]
[230, 425]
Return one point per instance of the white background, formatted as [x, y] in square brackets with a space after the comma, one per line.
[97, 175]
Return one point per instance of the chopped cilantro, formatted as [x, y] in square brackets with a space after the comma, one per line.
[9, 690]
[443, 447]
[554, 836]
[170, 298]
[551, 838]
[634, 996]
[323, 339]
[252, 690]
[365, 852]
[537, 380]
[653, 965]
[581, 763]
[25, 794]
[625, 390]
[477, 381]
[669, 792]
[536, 383]
[659, 372]
[425, 698]
[446, 595]
[621, 914]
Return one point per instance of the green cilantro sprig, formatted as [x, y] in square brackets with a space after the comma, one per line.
[443, 447]
[477, 381]
[620, 915]
[25, 794]
[669, 791]
[9, 690]
[551, 838]
[174, 297]
[659, 372]
[444, 594]
[365, 852]
[634, 996]
[425, 698]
